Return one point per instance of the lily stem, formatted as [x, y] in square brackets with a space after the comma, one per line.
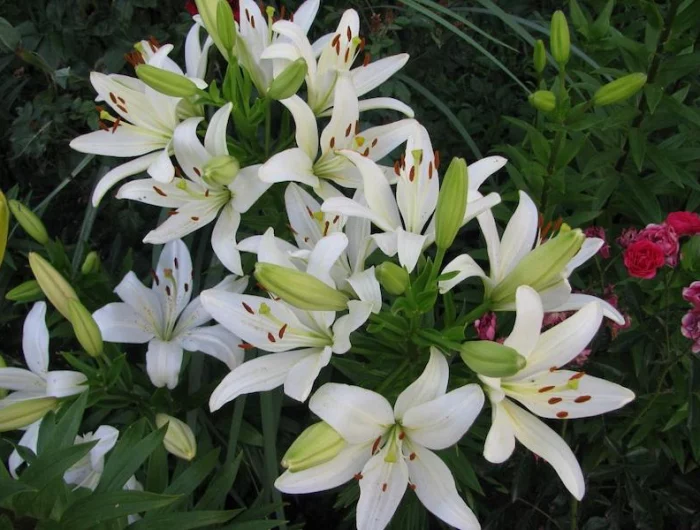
[268, 130]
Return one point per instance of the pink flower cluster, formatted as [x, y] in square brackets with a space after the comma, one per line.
[690, 324]
[656, 245]
[599, 232]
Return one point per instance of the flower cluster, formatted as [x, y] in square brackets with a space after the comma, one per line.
[210, 156]
[690, 325]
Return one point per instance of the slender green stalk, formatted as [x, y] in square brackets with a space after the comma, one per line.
[270, 421]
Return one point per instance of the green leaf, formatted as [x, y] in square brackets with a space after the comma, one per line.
[220, 485]
[184, 520]
[128, 455]
[9, 36]
[101, 507]
[10, 487]
[51, 465]
[638, 147]
[601, 26]
[648, 207]
[194, 475]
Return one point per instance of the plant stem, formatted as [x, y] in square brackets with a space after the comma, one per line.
[268, 129]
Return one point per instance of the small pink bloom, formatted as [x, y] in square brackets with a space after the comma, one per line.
[615, 328]
[581, 358]
[690, 328]
[642, 259]
[486, 327]
[692, 294]
[684, 223]
[552, 319]
[664, 236]
[599, 232]
[627, 237]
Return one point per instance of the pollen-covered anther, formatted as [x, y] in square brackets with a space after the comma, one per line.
[554, 400]
[197, 171]
[365, 152]
[357, 127]
[358, 476]
[176, 263]
[116, 125]
[187, 287]
[545, 389]
[384, 486]
[402, 435]
[397, 168]
[248, 308]
[155, 277]
[576, 376]
[412, 456]
[348, 131]
[436, 155]
[349, 33]
[103, 126]
[326, 227]
[582, 399]
[310, 212]
[153, 43]
[335, 219]
[159, 191]
[332, 142]
[430, 170]
[245, 346]
[375, 445]
[367, 59]
[194, 218]
[281, 332]
[271, 337]
[412, 174]
[563, 414]
[167, 290]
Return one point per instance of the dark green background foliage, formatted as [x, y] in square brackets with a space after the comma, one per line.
[468, 80]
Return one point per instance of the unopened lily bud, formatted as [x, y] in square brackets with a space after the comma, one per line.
[491, 359]
[300, 289]
[91, 264]
[30, 222]
[28, 291]
[560, 40]
[23, 413]
[289, 81]
[539, 56]
[179, 439]
[543, 100]
[393, 278]
[85, 328]
[165, 82]
[221, 170]
[4, 224]
[541, 268]
[225, 26]
[619, 90]
[55, 286]
[318, 444]
[452, 203]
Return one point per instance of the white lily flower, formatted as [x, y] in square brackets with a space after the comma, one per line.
[143, 127]
[255, 37]
[546, 390]
[198, 201]
[336, 54]
[390, 449]
[38, 382]
[303, 163]
[164, 317]
[505, 253]
[301, 342]
[403, 218]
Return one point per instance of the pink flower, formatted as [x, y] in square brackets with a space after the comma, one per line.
[627, 237]
[664, 236]
[552, 319]
[616, 328]
[642, 258]
[684, 223]
[486, 327]
[581, 358]
[692, 294]
[599, 232]
[690, 328]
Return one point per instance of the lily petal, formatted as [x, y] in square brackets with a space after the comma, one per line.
[150, 191]
[123, 141]
[324, 255]
[359, 415]
[410, 247]
[215, 341]
[500, 441]
[162, 168]
[223, 239]
[383, 139]
[292, 165]
[367, 288]
[163, 362]
[119, 322]
[386, 104]
[35, 340]
[63, 383]
[342, 328]
[215, 137]
[121, 172]
[142, 300]
[366, 78]
[301, 377]
[431, 384]
[482, 169]
[519, 235]
[306, 134]
[382, 487]
[185, 220]
[19, 379]
[247, 188]
[189, 151]
[465, 267]
[577, 301]
[528, 321]
[29, 439]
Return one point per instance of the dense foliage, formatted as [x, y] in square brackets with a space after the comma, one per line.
[614, 170]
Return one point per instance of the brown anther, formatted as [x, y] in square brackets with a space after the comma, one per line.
[245, 346]
[103, 126]
[335, 219]
[121, 100]
[362, 44]
[248, 308]
[365, 152]
[557, 224]
[367, 59]
[291, 229]
[374, 142]
[153, 43]
[545, 389]
[306, 239]
[187, 287]
[159, 191]
[412, 456]
[357, 476]
[375, 445]
[173, 212]
[155, 277]
[308, 210]
[430, 170]
[247, 15]
[357, 127]
[553, 369]
[577, 375]
[206, 193]
[99, 108]
[412, 487]
[337, 48]
[348, 130]
[347, 54]
[116, 125]
[197, 171]
[194, 218]
[252, 22]
[397, 168]
[563, 414]
[349, 33]
[176, 263]
[384, 487]
[554, 400]
[113, 97]
[271, 337]
[436, 155]
[326, 227]
[283, 12]
[336, 39]
[402, 435]
[122, 108]
[332, 142]
[167, 290]
[412, 174]
[178, 172]
[582, 399]
[281, 331]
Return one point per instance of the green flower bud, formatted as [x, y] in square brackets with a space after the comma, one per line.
[209, 11]
[318, 444]
[541, 268]
[619, 90]
[299, 289]
[28, 291]
[4, 225]
[221, 170]
[91, 264]
[543, 100]
[539, 56]
[289, 81]
[85, 328]
[179, 439]
[23, 413]
[225, 26]
[491, 358]
[452, 203]
[560, 41]
[30, 222]
[393, 278]
[165, 82]
[55, 286]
